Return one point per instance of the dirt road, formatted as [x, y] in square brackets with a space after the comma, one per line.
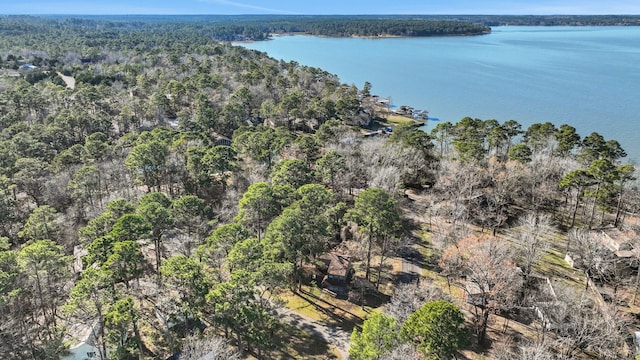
[69, 80]
[336, 337]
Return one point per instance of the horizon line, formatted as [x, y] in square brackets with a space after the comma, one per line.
[303, 14]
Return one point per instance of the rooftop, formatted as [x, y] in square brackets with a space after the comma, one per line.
[339, 265]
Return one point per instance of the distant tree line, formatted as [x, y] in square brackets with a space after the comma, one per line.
[551, 20]
[345, 26]
[235, 28]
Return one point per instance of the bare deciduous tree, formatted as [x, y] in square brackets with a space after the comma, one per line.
[407, 298]
[591, 255]
[526, 351]
[491, 279]
[530, 241]
[211, 348]
[539, 185]
[459, 183]
[402, 352]
[582, 326]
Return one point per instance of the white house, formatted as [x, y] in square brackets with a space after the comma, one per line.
[84, 347]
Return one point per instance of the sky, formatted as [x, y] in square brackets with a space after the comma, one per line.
[320, 7]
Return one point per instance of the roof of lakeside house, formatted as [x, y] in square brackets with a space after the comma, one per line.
[339, 265]
[28, 67]
[616, 240]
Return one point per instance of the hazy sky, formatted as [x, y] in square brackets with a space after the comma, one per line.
[320, 7]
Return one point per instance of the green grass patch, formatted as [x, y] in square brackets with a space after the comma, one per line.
[302, 306]
[441, 282]
[554, 259]
[554, 266]
[400, 120]
[395, 120]
[316, 305]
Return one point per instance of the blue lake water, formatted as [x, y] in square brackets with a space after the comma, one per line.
[588, 77]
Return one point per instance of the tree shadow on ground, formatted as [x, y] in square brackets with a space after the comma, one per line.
[345, 322]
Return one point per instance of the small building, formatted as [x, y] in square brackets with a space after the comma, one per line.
[338, 269]
[222, 140]
[83, 351]
[84, 347]
[619, 251]
[475, 295]
[382, 102]
[27, 67]
[255, 120]
[405, 110]
[615, 240]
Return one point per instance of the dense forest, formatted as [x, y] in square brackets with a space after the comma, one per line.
[547, 20]
[165, 194]
[246, 27]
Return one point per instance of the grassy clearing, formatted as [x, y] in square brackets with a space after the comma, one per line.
[399, 120]
[302, 306]
[391, 268]
[553, 261]
[314, 304]
[554, 265]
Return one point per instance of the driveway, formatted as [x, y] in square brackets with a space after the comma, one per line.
[336, 337]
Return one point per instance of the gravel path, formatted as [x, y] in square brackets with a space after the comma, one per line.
[336, 337]
[69, 80]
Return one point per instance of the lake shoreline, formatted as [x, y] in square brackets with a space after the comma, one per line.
[384, 36]
[579, 75]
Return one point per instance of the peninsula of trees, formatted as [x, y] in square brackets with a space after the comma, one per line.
[165, 193]
[257, 27]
